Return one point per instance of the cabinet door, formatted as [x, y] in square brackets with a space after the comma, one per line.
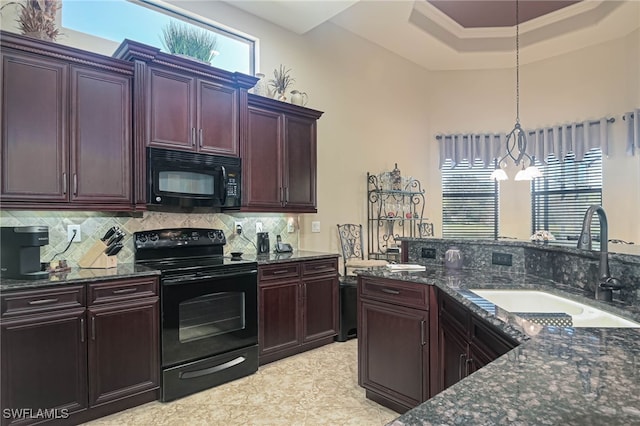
[261, 162]
[393, 352]
[279, 316]
[123, 350]
[319, 307]
[44, 362]
[217, 122]
[100, 137]
[453, 348]
[171, 110]
[300, 164]
[34, 133]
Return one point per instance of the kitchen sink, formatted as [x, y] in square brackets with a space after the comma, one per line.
[531, 301]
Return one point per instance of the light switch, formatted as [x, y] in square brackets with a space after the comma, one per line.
[315, 226]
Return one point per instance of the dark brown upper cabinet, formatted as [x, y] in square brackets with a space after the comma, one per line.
[279, 157]
[66, 128]
[186, 105]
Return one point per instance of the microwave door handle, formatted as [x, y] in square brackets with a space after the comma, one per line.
[223, 200]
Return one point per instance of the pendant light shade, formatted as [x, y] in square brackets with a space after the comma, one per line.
[516, 145]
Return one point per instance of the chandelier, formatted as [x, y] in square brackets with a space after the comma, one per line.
[517, 138]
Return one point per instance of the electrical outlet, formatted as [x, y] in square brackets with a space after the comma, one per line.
[237, 227]
[428, 253]
[501, 259]
[70, 229]
[258, 226]
[290, 225]
[315, 226]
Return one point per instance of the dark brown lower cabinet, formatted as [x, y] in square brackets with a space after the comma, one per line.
[44, 365]
[117, 373]
[393, 341]
[465, 342]
[394, 354]
[415, 341]
[298, 307]
[73, 353]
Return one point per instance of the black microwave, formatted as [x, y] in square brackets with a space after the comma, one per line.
[179, 180]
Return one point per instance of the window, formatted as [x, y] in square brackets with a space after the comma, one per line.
[119, 19]
[469, 201]
[561, 197]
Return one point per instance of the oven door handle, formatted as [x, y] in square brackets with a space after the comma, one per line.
[194, 278]
[211, 370]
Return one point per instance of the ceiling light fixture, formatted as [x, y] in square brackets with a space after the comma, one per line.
[517, 137]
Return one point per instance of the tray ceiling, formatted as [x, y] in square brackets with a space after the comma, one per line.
[460, 34]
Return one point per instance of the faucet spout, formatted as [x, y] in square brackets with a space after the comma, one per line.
[606, 284]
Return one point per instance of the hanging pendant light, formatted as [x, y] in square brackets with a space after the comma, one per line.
[517, 138]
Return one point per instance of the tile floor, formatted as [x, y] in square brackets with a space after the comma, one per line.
[318, 387]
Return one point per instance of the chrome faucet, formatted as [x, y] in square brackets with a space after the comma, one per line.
[606, 283]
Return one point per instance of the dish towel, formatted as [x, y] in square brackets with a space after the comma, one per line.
[557, 319]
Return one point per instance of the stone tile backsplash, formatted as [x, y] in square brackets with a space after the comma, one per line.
[93, 225]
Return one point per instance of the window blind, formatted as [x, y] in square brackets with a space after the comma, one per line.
[469, 201]
[561, 197]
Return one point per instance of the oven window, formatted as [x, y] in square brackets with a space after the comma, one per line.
[183, 182]
[211, 315]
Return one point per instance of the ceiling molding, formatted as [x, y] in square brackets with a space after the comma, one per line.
[436, 23]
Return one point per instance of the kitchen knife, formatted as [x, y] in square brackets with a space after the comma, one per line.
[116, 238]
[114, 249]
[110, 233]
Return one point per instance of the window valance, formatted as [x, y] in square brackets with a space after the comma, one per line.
[578, 137]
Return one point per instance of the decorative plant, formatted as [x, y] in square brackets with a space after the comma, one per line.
[281, 80]
[38, 18]
[190, 41]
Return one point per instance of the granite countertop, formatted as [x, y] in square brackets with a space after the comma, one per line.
[81, 275]
[130, 270]
[295, 256]
[568, 376]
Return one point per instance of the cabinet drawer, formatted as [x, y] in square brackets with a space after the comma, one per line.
[276, 272]
[115, 291]
[36, 301]
[325, 266]
[396, 292]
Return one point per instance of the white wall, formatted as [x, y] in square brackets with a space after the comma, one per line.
[381, 109]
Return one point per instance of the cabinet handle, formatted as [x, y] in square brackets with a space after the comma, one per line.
[281, 195]
[42, 301]
[125, 290]
[82, 330]
[423, 333]
[200, 137]
[282, 271]
[389, 291]
[467, 364]
[93, 328]
[286, 194]
[193, 136]
[75, 184]
[64, 183]
[460, 364]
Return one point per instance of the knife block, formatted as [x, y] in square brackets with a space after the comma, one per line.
[96, 258]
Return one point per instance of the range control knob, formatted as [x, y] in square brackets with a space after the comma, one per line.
[153, 237]
[142, 238]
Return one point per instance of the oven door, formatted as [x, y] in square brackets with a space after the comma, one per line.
[205, 314]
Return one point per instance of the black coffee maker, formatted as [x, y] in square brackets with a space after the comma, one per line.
[263, 243]
[20, 251]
